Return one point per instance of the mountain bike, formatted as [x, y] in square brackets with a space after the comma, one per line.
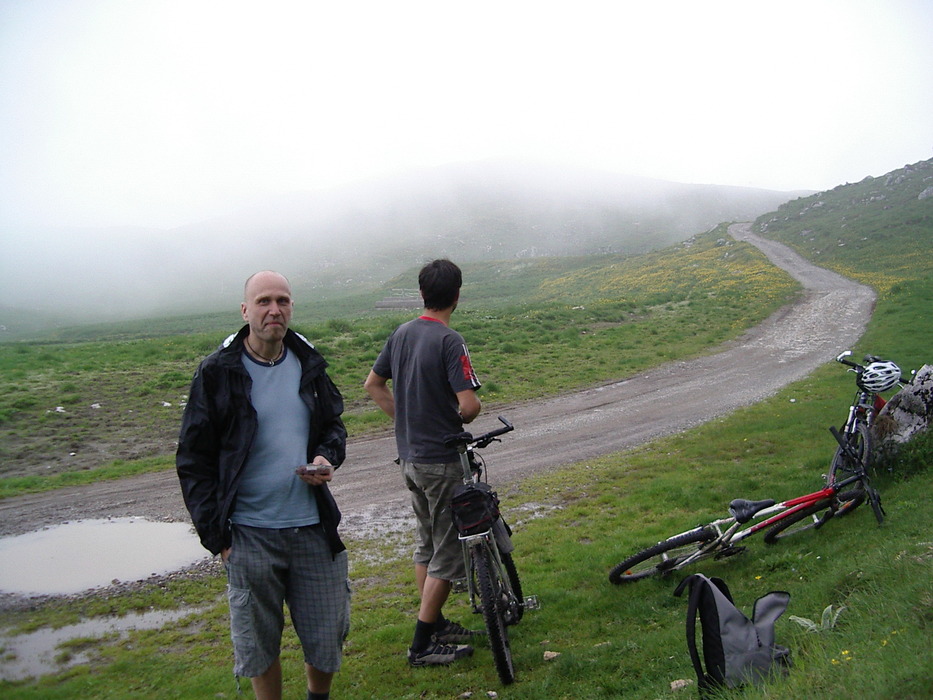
[847, 486]
[492, 581]
[878, 376]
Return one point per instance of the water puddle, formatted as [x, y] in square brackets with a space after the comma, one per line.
[85, 554]
[37, 653]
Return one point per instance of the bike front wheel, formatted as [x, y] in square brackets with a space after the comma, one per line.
[493, 594]
[808, 518]
[662, 558]
[860, 442]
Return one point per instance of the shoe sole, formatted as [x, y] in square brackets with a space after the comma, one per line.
[428, 661]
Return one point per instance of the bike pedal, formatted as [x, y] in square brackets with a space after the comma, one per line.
[531, 602]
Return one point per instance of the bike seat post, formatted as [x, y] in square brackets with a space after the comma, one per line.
[465, 463]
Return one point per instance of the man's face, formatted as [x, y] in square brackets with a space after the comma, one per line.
[268, 306]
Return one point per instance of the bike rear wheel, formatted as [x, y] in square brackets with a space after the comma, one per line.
[493, 595]
[662, 557]
[809, 518]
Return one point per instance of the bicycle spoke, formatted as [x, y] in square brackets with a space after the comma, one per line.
[809, 518]
[663, 557]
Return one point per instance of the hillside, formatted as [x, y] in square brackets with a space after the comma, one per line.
[92, 394]
[356, 237]
[875, 230]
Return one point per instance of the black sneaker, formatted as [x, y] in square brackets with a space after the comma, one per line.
[452, 633]
[439, 654]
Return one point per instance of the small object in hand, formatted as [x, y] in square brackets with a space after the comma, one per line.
[312, 470]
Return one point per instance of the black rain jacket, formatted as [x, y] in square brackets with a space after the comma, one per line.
[217, 432]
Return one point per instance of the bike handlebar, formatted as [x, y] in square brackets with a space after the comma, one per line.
[464, 439]
[842, 359]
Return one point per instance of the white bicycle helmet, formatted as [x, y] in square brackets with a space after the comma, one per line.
[880, 376]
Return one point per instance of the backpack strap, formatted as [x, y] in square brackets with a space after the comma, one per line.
[696, 583]
[721, 585]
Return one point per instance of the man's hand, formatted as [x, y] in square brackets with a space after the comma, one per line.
[319, 472]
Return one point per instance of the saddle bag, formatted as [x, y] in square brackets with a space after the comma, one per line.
[736, 650]
[474, 508]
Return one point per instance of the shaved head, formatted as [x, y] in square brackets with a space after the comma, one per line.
[263, 276]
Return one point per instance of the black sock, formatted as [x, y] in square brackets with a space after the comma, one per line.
[318, 696]
[423, 632]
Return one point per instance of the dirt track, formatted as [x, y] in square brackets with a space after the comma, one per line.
[829, 317]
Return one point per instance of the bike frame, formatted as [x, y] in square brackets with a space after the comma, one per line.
[485, 540]
[487, 562]
[719, 538]
[727, 530]
[865, 406]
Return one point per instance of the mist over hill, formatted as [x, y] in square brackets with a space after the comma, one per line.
[357, 236]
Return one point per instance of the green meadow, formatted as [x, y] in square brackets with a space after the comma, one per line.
[528, 326]
[75, 409]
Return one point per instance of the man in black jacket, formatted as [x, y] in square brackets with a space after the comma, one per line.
[260, 439]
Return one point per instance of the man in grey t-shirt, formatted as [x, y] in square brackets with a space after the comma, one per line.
[433, 394]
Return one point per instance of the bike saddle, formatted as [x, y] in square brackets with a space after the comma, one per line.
[744, 510]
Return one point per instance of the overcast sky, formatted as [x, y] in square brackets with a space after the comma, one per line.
[160, 112]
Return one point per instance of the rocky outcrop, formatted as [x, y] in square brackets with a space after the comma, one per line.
[906, 415]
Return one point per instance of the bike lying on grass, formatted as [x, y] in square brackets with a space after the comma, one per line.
[847, 486]
[492, 579]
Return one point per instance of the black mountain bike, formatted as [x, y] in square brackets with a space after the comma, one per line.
[492, 579]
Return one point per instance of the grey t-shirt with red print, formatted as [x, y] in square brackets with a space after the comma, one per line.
[428, 364]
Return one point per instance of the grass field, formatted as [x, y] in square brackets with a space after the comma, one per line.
[78, 410]
[571, 526]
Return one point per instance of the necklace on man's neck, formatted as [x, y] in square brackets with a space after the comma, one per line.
[270, 360]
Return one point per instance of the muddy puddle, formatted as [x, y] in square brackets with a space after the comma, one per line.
[41, 652]
[86, 554]
[79, 556]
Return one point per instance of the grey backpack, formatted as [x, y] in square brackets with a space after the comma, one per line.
[736, 650]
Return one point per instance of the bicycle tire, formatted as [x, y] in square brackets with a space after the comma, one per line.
[661, 558]
[800, 521]
[490, 588]
[515, 608]
[861, 441]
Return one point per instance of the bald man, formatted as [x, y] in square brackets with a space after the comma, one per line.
[260, 440]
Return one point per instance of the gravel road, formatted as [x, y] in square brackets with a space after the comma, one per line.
[830, 315]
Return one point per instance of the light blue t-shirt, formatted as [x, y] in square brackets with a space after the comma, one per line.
[270, 494]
